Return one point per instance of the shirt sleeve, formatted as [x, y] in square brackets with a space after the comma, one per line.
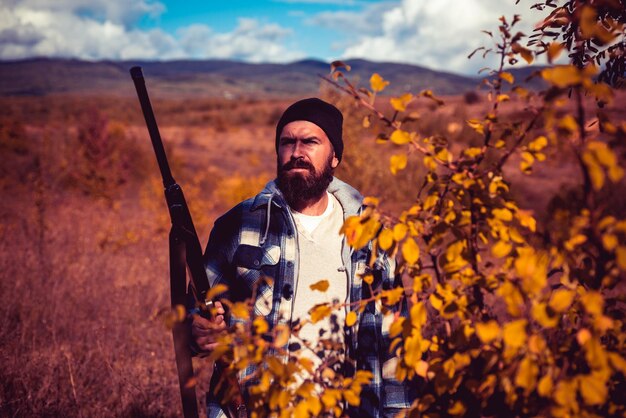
[395, 395]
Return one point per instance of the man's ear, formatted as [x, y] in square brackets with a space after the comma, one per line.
[335, 162]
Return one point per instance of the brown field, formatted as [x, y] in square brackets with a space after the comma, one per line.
[84, 231]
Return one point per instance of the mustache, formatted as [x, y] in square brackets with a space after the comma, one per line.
[299, 163]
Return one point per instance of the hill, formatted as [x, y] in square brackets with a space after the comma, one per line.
[209, 78]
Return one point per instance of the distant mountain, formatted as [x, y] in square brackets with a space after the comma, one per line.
[211, 78]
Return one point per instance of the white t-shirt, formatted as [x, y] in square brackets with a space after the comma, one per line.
[320, 245]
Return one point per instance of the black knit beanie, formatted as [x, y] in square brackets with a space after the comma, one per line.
[319, 112]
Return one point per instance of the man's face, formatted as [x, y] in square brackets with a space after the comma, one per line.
[306, 161]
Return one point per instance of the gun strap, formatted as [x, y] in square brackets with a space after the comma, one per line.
[181, 331]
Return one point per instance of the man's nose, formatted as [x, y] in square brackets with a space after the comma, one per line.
[297, 151]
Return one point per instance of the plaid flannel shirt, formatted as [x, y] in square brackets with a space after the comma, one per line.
[258, 238]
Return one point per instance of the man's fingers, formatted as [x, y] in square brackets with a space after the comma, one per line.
[219, 309]
[200, 321]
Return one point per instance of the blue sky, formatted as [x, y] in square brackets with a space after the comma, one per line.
[434, 33]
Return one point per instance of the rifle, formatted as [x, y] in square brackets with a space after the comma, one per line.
[185, 252]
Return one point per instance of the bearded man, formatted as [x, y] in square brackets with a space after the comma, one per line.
[290, 233]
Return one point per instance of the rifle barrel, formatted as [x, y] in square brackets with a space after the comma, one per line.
[153, 129]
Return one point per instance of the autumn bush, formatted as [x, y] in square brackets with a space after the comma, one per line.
[509, 316]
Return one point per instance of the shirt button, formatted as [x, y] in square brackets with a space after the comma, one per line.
[257, 263]
[289, 263]
[287, 291]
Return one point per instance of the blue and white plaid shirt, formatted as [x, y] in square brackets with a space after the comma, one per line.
[258, 238]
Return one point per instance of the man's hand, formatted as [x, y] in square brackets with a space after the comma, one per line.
[205, 331]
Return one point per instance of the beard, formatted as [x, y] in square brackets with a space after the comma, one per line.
[299, 188]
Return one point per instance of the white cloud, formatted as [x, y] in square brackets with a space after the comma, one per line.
[436, 34]
[358, 23]
[98, 29]
[249, 41]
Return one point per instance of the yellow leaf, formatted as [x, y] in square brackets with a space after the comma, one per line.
[443, 155]
[457, 409]
[514, 333]
[410, 251]
[396, 327]
[431, 201]
[565, 393]
[421, 368]
[473, 152]
[400, 137]
[588, 21]
[393, 296]
[240, 310]
[399, 231]
[412, 350]
[538, 143]
[502, 98]
[508, 77]
[527, 220]
[359, 234]
[454, 256]
[366, 122]
[562, 75]
[568, 123]
[502, 214]
[319, 312]
[606, 158]
[322, 286]
[532, 267]
[378, 83]
[618, 363]
[400, 103]
[301, 410]
[260, 325]
[351, 397]
[397, 163]
[595, 170]
[593, 302]
[595, 354]
[527, 372]
[368, 278]
[583, 336]
[351, 318]
[488, 331]
[476, 125]
[541, 315]
[524, 52]
[536, 344]
[385, 239]
[609, 242]
[561, 299]
[418, 315]
[554, 50]
[330, 397]
[593, 387]
[282, 335]
[429, 163]
[501, 249]
[544, 388]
